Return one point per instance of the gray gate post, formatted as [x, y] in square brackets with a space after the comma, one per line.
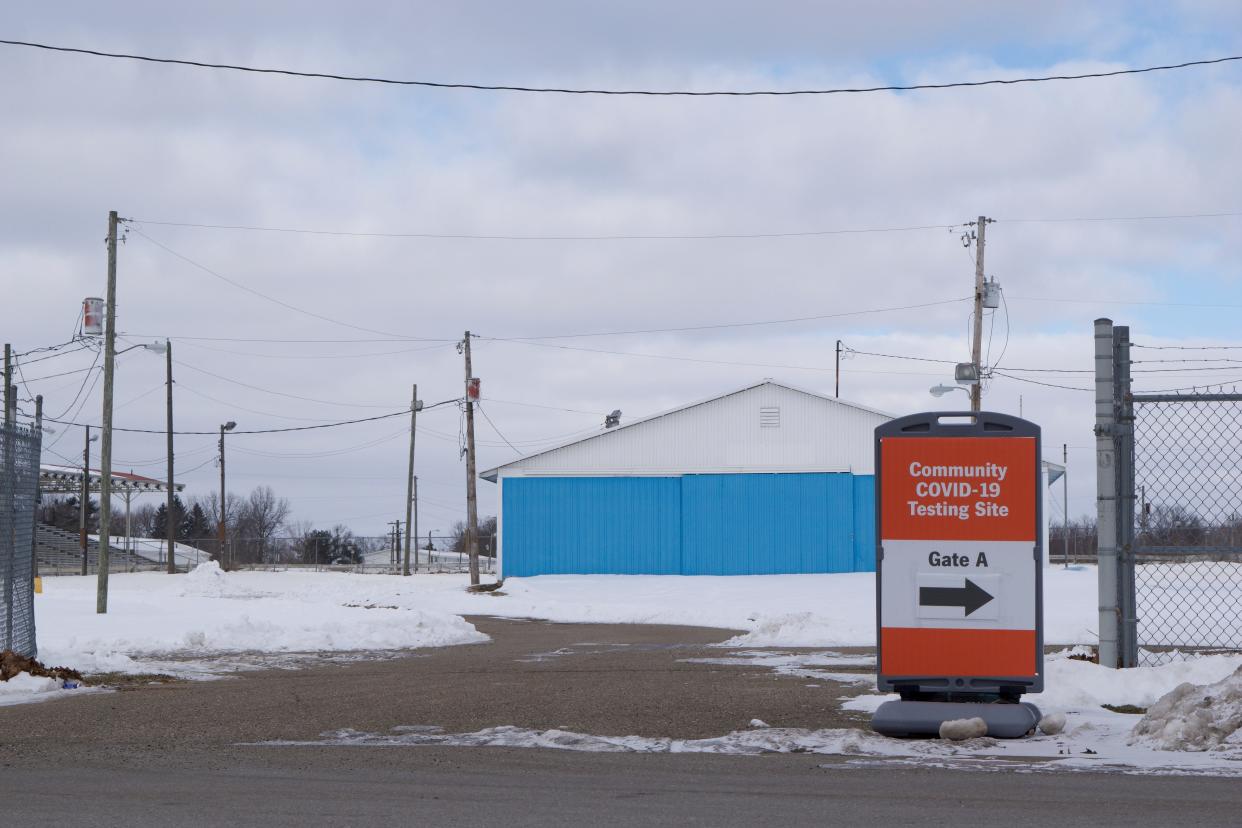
[1106, 493]
[1124, 407]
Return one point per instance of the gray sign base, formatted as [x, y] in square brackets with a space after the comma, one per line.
[923, 718]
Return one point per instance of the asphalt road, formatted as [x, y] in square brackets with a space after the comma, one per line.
[175, 754]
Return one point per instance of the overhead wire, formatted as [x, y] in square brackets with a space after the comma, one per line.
[197, 64]
[277, 393]
[288, 306]
[495, 429]
[749, 324]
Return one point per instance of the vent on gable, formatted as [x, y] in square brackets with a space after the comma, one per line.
[769, 416]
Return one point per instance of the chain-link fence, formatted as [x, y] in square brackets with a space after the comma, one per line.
[316, 550]
[1187, 533]
[19, 477]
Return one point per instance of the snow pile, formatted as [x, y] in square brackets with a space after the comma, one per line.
[208, 579]
[23, 688]
[182, 624]
[1052, 724]
[1073, 684]
[959, 730]
[798, 629]
[837, 741]
[1196, 717]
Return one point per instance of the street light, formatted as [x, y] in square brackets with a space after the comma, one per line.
[941, 390]
[105, 452]
[86, 490]
[229, 426]
[153, 347]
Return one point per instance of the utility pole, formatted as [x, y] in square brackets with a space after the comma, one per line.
[170, 522]
[1065, 499]
[223, 529]
[976, 349]
[472, 506]
[394, 541]
[105, 447]
[837, 391]
[86, 493]
[411, 490]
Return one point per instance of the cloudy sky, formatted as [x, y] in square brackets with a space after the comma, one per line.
[275, 329]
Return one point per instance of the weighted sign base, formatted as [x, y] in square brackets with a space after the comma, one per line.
[923, 718]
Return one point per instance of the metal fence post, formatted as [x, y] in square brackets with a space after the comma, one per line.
[1106, 492]
[1128, 632]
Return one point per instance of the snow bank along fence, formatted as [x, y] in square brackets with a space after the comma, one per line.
[1173, 499]
[19, 477]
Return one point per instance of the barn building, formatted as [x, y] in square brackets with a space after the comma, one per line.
[767, 479]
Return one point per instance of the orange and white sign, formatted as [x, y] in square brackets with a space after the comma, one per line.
[959, 568]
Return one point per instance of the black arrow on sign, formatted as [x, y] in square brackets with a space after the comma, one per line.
[970, 597]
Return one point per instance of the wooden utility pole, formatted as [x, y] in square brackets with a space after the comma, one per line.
[86, 493]
[976, 349]
[222, 530]
[472, 506]
[394, 541]
[411, 492]
[1065, 500]
[837, 390]
[170, 520]
[34, 517]
[105, 447]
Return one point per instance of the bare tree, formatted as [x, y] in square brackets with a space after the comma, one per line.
[259, 518]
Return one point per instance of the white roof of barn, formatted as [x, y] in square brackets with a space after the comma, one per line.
[764, 427]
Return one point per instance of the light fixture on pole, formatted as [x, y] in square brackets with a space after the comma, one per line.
[941, 390]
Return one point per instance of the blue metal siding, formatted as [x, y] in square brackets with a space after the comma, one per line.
[697, 524]
[586, 525]
[864, 523]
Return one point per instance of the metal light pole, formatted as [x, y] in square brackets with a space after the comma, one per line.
[86, 490]
[223, 529]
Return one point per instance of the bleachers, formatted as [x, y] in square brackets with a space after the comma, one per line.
[59, 553]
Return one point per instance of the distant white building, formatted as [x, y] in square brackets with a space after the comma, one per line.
[765, 479]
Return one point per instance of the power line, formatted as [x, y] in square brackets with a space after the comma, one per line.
[723, 325]
[555, 237]
[262, 430]
[248, 289]
[547, 407]
[787, 234]
[635, 92]
[1216, 305]
[276, 393]
[242, 431]
[1039, 382]
[62, 374]
[498, 432]
[1080, 219]
[314, 356]
[232, 405]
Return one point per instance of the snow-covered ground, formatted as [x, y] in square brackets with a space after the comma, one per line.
[209, 622]
[154, 618]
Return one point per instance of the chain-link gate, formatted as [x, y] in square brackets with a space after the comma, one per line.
[19, 477]
[1187, 533]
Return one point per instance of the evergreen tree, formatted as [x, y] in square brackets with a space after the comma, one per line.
[195, 525]
[160, 528]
